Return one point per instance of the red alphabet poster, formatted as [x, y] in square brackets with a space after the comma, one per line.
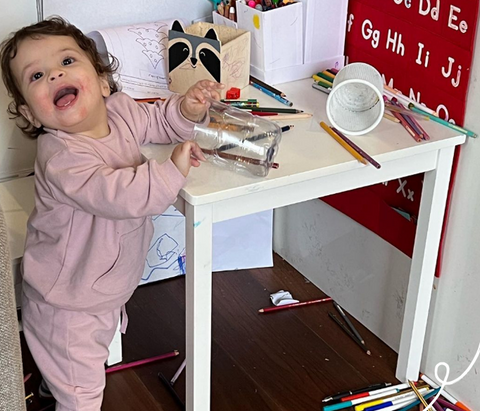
[424, 48]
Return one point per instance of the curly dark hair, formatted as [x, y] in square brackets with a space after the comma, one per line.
[54, 26]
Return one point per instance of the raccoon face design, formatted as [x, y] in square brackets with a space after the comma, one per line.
[188, 53]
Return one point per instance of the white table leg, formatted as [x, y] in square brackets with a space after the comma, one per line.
[425, 252]
[115, 347]
[198, 305]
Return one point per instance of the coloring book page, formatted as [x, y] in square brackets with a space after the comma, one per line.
[142, 51]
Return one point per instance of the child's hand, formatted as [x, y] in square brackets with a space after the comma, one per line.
[195, 104]
[186, 155]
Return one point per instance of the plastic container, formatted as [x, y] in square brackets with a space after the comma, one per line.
[355, 105]
[238, 141]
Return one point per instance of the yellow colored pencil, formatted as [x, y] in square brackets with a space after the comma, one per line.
[391, 118]
[420, 396]
[342, 143]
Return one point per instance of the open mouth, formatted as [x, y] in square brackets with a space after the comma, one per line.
[65, 96]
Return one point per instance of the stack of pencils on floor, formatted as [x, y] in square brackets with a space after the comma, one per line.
[388, 397]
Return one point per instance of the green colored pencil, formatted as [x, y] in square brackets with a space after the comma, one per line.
[462, 130]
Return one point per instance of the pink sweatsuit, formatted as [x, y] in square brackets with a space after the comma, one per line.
[88, 237]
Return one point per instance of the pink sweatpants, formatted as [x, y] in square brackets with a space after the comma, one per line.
[70, 349]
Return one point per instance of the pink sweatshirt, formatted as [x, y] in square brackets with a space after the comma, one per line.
[89, 233]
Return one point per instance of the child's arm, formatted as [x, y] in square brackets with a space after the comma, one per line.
[165, 122]
[79, 178]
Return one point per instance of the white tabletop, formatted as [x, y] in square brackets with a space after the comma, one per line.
[306, 151]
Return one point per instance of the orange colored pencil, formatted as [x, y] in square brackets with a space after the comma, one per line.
[299, 304]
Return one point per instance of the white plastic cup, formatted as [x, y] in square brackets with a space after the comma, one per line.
[355, 105]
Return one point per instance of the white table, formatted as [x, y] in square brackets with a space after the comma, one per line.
[312, 165]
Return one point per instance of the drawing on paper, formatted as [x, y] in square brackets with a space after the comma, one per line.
[153, 41]
[142, 52]
[166, 255]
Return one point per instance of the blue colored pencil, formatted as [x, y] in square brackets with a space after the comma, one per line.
[417, 402]
[269, 93]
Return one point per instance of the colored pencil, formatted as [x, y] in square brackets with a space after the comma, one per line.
[281, 116]
[357, 149]
[448, 404]
[417, 402]
[277, 110]
[373, 392]
[149, 100]
[402, 395]
[232, 100]
[293, 305]
[272, 94]
[325, 89]
[418, 394]
[412, 118]
[171, 390]
[286, 128]
[445, 394]
[391, 107]
[340, 141]
[262, 113]
[244, 104]
[349, 333]
[141, 362]
[405, 124]
[408, 100]
[391, 117]
[347, 320]
[236, 157]
[322, 81]
[178, 372]
[361, 392]
[348, 404]
[328, 74]
[443, 122]
[267, 86]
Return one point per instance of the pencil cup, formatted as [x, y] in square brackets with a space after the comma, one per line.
[355, 105]
[237, 140]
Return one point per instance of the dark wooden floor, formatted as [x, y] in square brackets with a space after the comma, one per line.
[282, 361]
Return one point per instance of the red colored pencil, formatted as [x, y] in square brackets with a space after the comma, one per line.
[262, 113]
[299, 304]
[141, 362]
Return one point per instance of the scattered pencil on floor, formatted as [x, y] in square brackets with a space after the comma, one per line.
[141, 362]
[293, 305]
[349, 333]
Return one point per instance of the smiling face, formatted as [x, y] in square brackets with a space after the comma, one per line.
[61, 88]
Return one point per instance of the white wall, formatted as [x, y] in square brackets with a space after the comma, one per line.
[91, 15]
[17, 152]
[369, 277]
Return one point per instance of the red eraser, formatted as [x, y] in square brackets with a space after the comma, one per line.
[233, 93]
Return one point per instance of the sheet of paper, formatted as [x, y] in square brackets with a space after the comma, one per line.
[142, 51]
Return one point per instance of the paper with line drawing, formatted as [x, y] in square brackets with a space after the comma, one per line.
[142, 51]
